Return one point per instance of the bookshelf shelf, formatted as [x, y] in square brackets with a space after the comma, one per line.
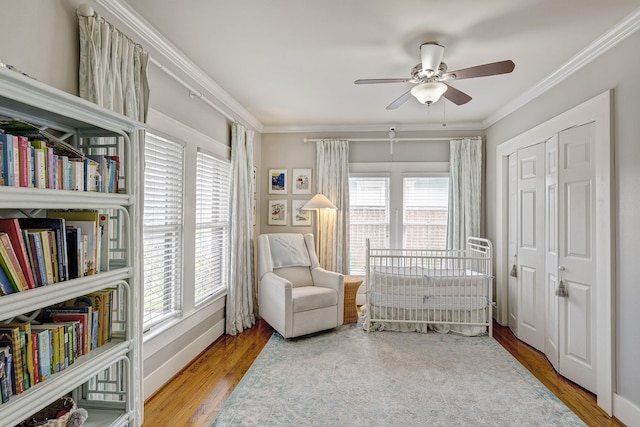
[107, 380]
[42, 394]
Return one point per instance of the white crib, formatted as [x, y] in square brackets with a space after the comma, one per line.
[441, 290]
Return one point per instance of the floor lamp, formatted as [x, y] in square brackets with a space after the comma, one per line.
[318, 203]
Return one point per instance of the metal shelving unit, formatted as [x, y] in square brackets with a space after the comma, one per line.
[106, 381]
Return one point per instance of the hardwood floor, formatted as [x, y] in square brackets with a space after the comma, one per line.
[195, 395]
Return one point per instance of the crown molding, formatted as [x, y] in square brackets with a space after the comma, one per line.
[151, 37]
[472, 126]
[608, 40]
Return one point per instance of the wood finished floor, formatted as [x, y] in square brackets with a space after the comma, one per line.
[195, 395]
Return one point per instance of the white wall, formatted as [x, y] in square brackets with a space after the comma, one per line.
[617, 69]
[41, 38]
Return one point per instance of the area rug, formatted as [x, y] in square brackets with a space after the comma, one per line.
[348, 377]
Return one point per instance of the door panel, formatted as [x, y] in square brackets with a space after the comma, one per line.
[531, 246]
[513, 243]
[577, 352]
[551, 262]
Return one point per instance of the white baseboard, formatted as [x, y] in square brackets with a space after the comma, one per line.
[171, 367]
[626, 411]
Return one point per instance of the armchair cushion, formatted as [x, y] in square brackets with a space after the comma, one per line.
[312, 297]
[298, 276]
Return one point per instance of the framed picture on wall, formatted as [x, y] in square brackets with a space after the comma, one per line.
[277, 212]
[299, 216]
[277, 181]
[301, 181]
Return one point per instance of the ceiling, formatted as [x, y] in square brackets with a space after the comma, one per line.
[292, 64]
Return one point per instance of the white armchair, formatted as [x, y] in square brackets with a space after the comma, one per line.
[295, 295]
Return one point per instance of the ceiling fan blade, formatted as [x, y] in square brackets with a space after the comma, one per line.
[431, 55]
[456, 96]
[400, 100]
[369, 81]
[501, 67]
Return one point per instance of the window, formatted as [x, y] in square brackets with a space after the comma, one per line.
[397, 210]
[425, 207]
[212, 225]
[162, 228]
[369, 217]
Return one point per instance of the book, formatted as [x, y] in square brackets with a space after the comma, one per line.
[37, 257]
[88, 222]
[83, 321]
[9, 262]
[70, 309]
[59, 227]
[1, 162]
[74, 252]
[39, 170]
[59, 343]
[23, 159]
[11, 226]
[114, 174]
[5, 374]
[77, 174]
[6, 287]
[44, 340]
[10, 337]
[8, 169]
[27, 348]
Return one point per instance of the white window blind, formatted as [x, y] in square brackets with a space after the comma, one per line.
[162, 228]
[425, 204]
[212, 225]
[369, 217]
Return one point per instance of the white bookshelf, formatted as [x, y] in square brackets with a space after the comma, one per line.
[106, 381]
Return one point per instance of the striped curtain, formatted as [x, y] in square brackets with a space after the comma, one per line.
[332, 166]
[241, 297]
[465, 191]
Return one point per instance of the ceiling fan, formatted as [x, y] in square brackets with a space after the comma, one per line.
[432, 78]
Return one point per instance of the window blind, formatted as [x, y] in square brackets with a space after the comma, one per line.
[162, 228]
[369, 218]
[425, 204]
[212, 225]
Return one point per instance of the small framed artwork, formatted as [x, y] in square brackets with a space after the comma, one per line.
[277, 212]
[299, 216]
[301, 182]
[277, 181]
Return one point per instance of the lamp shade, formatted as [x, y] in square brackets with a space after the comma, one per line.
[430, 92]
[319, 201]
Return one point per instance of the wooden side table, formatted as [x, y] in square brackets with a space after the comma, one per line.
[351, 285]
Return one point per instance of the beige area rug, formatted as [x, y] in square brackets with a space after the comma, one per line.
[347, 377]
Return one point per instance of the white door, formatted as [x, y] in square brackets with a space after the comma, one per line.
[551, 255]
[576, 229]
[513, 243]
[531, 245]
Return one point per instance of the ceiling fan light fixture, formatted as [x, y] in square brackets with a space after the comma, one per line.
[430, 92]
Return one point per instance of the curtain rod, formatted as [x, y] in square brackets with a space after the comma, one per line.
[382, 139]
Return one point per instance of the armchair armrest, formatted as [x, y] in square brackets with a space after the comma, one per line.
[332, 280]
[275, 303]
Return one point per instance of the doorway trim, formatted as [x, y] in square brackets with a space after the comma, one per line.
[598, 110]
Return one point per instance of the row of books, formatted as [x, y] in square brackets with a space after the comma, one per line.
[36, 164]
[65, 245]
[32, 352]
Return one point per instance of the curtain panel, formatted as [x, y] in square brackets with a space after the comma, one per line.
[332, 166]
[465, 191]
[241, 304]
[113, 69]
